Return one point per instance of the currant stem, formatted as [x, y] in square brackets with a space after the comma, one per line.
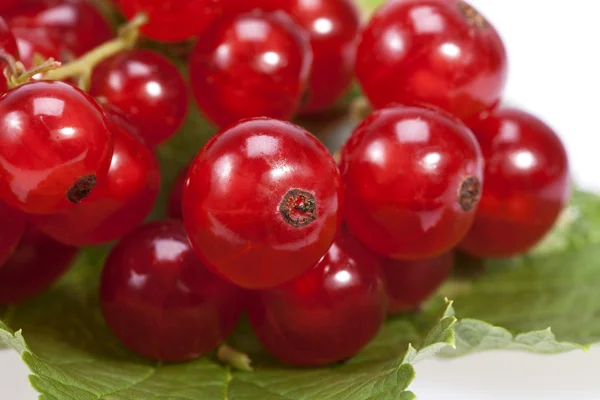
[21, 75]
[83, 66]
[360, 108]
[230, 356]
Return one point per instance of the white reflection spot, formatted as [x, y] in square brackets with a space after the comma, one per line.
[279, 172]
[524, 159]
[426, 20]
[376, 153]
[48, 106]
[323, 26]
[393, 40]
[431, 160]
[169, 249]
[450, 50]
[342, 277]
[136, 280]
[153, 88]
[67, 131]
[412, 131]
[261, 145]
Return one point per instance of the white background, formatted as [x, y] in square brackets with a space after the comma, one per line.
[555, 66]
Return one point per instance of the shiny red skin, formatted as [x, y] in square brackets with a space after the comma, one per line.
[6, 5]
[11, 230]
[333, 26]
[234, 202]
[403, 169]
[9, 46]
[175, 207]
[37, 263]
[160, 301]
[527, 184]
[76, 24]
[327, 314]
[410, 283]
[51, 135]
[427, 51]
[31, 41]
[120, 202]
[173, 20]
[251, 65]
[148, 88]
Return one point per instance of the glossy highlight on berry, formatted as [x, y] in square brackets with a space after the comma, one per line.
[54, 145]
[527, 183]
[440, 52]
[412, 181]
[251, 65]
[160, 300]
[262, 202]
[327, 314]
[148, 88]
[121, 200]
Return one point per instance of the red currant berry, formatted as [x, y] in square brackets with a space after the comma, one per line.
[159, 299]
[12, 226]
[412, 179]
[54, 146]
[526, 184]
[173, 20]
[148, 88]
[6, 5]
[251, 65]
[327, 314]
[76, 24]
[262, 202]
[175, 210]
[410, 283]
[35, 265]
[36, 41]
[8, 46]
[120, 202]
[441, 52]
[333, 26]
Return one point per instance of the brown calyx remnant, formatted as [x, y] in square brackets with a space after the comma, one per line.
[473, 16]
[469, 193]
[298, 208]
[81, 188]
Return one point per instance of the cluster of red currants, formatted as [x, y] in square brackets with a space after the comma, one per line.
[317, 252]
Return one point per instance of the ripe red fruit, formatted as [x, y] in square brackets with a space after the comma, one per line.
[251, 65]
[6, 5]
[333, 27]
[35, 265]
[121, 200]
[148, 88]
[12, 226]
[410, 283]
[54, 146]
[412, 179]
[526, 183]
[262, 202]
[76, 24]
[173, 20]
[441, 52]
[159, 299]
[8, 45]
[327, 314]
[175, 210]
[32, 41]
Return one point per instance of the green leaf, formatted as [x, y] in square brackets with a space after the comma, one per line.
[546, 301]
